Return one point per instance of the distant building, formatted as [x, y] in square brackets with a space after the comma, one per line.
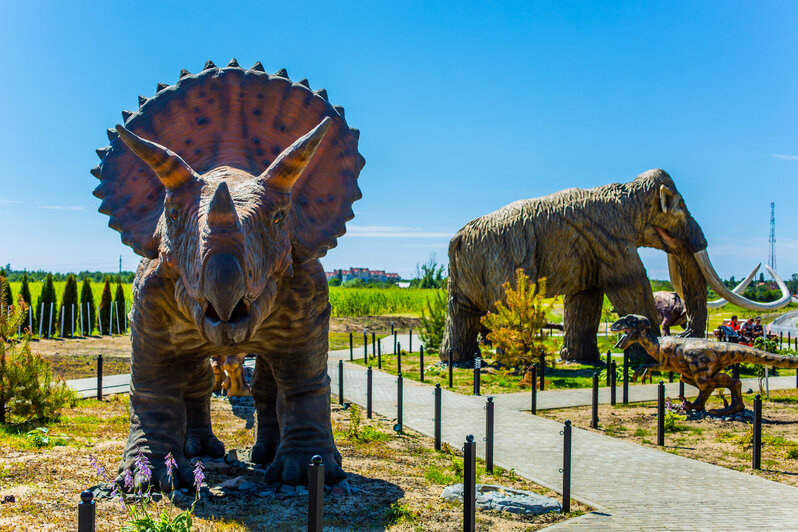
[364, 274]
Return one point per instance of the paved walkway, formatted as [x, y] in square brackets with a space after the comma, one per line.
[631, 486]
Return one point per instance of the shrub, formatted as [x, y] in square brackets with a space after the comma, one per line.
[47, 315]
[69, 307]
[120, 309]
[88, 314]
[6, 295]
[24, 293]
[433, 319]
[105, 308]
[28, 389]
[516, 325]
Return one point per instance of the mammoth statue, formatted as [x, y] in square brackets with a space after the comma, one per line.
[584, 242]
[231, 184]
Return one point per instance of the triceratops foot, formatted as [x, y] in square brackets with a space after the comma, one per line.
[292, 468]
[263, 452]
[200, 443]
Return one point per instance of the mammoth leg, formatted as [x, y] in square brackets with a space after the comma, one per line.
[461, 331]
[200, 439]
[581, 316]
[689, 282]
[629, 291]
[267, 429]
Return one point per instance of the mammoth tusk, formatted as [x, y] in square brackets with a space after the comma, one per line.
[717, 285]
[739, 289]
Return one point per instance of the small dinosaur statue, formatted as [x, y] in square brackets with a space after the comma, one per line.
[700, 362]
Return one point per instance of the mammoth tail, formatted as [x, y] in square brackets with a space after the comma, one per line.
[750, 355]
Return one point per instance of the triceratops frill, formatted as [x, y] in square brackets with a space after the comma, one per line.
[231, 184]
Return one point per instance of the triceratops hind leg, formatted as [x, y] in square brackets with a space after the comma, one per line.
[200, 439]
[267, 432]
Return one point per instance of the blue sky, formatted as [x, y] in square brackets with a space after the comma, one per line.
[463, 108]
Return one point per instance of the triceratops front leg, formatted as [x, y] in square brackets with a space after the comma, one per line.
[267, 430]
[200, 439]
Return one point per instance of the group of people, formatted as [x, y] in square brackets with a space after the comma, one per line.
[748, 331]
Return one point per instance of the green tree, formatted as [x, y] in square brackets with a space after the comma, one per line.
[87, 310]
[6, 296]
[334, 281]
[24, 293]
[516, 326]
[69, 307]
[433, 319]
[46, 308]
[120, 307]
[429, 274]
[105, 307]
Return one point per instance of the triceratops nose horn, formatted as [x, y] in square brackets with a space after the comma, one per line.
[224, 285]
[222, 209]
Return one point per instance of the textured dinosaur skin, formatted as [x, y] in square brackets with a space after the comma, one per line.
[584, 242]
[699, 362]
[231, 184]
[670, 311]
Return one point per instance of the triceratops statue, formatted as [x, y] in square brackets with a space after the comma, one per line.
[231, 184]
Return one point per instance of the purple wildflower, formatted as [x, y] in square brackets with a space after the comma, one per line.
[143, 469]
[98, 467]
[129, 479]
[199, 476]
[171, 465]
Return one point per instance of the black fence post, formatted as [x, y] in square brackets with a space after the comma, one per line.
[410, 342]
[315, 495]
[534, 389]
[781, 340]
[351, 349]
[421, 362]
[609, 361]
[392, 328]
[566, 467]
[379, 355]
[670, 376]
[625, 378]
[86, 512]
[394, 341]
[365, 347]
[542, 367]
[399, 358]
[450, 368]
[756, 461]
[681, 388]
[437, 394]
[340, 382]
[594, 402]
[661, 414]
[469, 484]
[373, 344]
[100, 377]
[736, 371]
[368, 392]
[613, 383]
[477, 365]
[399, 400]
[489, 435]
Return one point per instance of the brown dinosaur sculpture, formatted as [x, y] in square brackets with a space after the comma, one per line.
[231, 184]
[699, 362]
[228, 375]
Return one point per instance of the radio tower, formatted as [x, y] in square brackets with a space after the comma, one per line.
[772, 259]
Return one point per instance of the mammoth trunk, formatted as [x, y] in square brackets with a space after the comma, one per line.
[689, 282]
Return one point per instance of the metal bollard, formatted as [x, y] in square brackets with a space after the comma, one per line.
[351, 349]
[421, 362]
[437, 394]
[594, 402]
[368, 392]
[566, 467]
[399, 358]
[340, 382]
[681, 388]
[99, 377]
[315, 495]
[450, 369]
[625, 378]
[365, 347]
[410, 342]
[373, 344]
[379, 355]
[394, 340]
[534, 389]
[613, 382]
[756, 461]
[661, 414]
[609, 361]
[542, 367]
[469, 484]
[489, 413]
[477, 366]
[670, 376]
[86, 512]
[399, 399]
[781, 340]
[392, 328]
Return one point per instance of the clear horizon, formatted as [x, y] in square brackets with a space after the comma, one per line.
[462, 109]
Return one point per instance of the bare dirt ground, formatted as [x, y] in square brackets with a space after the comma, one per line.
[401, 478]
[724, 443]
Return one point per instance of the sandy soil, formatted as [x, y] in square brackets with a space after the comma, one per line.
[400, 476]
[724, 443]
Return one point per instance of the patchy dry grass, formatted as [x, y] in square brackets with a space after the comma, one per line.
[724, 443]
[400, 475]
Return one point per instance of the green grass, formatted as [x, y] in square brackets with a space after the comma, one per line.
[377, 301]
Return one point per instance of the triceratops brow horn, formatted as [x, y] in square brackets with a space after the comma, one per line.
[289, 165]
[170, 168]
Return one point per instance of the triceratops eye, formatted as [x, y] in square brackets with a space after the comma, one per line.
[278, 217]
[173, 214]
